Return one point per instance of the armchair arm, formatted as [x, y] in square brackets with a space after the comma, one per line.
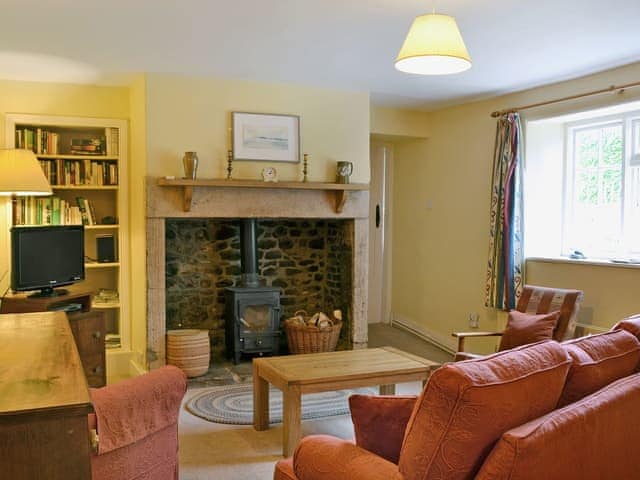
[379, 422]
[129, 411]
[462, 336]
[322, 457]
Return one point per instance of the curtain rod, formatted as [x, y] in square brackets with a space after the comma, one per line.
[611, 89]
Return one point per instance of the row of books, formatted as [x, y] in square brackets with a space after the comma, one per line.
[39, 141]
[46, 142]
[80, 172]
[54, 211]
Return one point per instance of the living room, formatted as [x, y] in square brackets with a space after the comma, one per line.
[179, 92]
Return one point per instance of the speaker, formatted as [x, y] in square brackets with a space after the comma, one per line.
[106, 248]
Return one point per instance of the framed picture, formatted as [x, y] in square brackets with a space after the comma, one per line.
[265, 137]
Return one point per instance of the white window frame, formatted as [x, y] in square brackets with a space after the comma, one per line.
[570, 129]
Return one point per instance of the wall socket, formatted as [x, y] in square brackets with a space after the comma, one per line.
[474, 320]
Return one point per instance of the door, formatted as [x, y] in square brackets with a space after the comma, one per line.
[378, 206]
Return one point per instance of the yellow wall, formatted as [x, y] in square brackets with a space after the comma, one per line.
[186, 113]
[53, 99]
[396, 122]
[446, 247]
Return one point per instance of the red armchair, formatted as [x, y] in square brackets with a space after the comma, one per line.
[137, 426]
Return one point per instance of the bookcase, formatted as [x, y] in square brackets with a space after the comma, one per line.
[85, 161]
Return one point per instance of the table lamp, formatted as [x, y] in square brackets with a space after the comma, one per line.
[21, 175]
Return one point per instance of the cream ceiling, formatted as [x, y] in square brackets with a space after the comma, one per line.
[345, 44]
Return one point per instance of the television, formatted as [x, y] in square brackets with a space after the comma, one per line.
[48, 257]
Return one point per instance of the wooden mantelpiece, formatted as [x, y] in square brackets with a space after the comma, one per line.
[340, 190]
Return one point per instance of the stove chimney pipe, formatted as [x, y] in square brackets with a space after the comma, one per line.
[249, 252]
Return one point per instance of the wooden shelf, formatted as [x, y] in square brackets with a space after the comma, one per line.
[101, 265]
[84, 187]
[111, 226]
[340, 190]
[105, 306]
[76, 157]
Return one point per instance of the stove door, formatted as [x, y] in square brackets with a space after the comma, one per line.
[258, 315]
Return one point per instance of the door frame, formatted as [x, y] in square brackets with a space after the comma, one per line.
[387, 189]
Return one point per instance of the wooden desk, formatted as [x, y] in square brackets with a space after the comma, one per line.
[44, 400]
[322, 372]
[88, 327]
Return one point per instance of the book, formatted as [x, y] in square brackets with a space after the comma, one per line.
[83, 210]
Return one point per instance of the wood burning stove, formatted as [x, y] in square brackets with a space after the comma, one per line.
[252, 311]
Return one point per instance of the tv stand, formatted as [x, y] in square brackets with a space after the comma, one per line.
[88, 327]
[49, 292]
[35, 302]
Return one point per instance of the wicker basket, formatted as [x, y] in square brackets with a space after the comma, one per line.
[310, 339]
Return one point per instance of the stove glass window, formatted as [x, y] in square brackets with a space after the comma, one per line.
[255, 318]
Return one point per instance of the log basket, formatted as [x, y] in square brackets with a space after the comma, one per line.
[305, 338]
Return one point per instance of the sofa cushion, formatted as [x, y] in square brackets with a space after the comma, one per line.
[591, 439]
[379, 422]
[466, 407]
[597, 361]
[526, 328]
[630, 324]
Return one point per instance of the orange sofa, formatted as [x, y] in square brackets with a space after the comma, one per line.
[548, 410]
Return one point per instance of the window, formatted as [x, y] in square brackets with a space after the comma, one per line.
[582, 185]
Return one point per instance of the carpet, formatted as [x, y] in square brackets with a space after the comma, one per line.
[233, 404]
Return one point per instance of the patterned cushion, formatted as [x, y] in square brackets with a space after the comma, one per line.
[535, 299]
[630, 324]
[524, 328]
[597, 361]
[467, 406]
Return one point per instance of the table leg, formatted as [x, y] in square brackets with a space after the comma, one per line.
[260, 400]
[291, 418]
[388, 389]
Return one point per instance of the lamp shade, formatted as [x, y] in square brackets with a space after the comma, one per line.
[433, 46]
[21, 174]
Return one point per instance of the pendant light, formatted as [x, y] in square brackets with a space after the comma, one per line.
[433, 46]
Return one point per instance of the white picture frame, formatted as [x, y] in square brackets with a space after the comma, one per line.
[265, 137]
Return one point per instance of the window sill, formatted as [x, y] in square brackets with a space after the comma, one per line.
[588, 261]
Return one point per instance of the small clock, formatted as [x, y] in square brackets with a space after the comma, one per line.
[269, 174]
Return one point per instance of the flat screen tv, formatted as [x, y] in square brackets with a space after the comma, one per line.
[44, 258]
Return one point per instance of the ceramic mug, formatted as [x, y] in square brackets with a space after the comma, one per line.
[343, 171]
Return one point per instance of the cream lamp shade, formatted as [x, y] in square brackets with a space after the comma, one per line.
[433, 46]
[21, 174]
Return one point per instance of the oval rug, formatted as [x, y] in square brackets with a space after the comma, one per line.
[233, 404]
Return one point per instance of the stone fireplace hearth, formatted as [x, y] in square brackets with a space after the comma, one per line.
[308, 217]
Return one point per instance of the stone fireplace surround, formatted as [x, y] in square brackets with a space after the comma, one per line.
[166, 202]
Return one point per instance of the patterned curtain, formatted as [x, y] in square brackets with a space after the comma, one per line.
[505, 269]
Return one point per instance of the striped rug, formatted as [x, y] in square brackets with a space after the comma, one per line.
[233, 404]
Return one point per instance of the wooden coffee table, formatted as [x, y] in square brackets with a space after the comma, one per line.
[322, 372]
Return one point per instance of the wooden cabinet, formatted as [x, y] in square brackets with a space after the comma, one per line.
[89, 330]
[88, 327]
[44, 400]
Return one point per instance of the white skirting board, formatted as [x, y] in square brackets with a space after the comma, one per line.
[448, 345]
